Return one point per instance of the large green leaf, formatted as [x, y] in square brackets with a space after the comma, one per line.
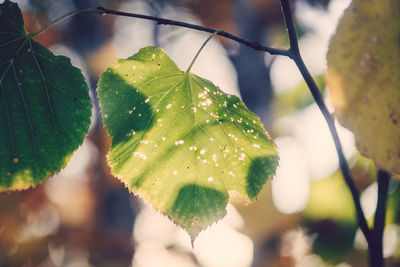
[44, 106]
[179, 141]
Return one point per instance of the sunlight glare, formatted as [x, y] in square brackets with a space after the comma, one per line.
[291, 186]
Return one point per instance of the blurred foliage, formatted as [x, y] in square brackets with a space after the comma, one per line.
[278, 35]
[330, 199]
[363, 170]
[333, 240]
[319, 3]
[298, 98]
[393, 213]
[330, 216]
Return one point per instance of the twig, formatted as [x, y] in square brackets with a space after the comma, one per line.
[376, 257]
[383, 186]
[295, 55]
[252, 44]
[103, 11]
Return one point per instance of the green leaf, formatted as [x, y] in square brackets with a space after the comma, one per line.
[44, 106]
[324, 202]
[333, 240]
[298, 98]
[180, 142]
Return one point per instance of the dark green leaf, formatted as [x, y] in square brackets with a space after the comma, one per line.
[44, 106]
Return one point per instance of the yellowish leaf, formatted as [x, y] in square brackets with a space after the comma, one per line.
[364, 81]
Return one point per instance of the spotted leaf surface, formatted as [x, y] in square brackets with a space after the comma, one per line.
[180, 142]
[44, 106]
[364, 81]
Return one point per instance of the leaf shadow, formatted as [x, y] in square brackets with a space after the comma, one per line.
[195, 205]
[128, 118]
[261, 168]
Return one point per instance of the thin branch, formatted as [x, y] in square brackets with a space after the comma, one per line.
[380, 213]
[251, 44]
[102, 10]
[289, 21]
[376, 248]
[295, 55]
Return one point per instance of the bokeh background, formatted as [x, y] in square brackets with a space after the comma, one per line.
[304, 217]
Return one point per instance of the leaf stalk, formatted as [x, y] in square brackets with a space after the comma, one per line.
[201, 48]
[70, 14]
